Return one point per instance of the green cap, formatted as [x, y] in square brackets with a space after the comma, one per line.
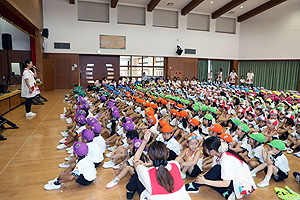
[196, 108]
[204, 108]
[258, 137]
[177, 98]
[278, 144]
[245, 128]
[208, 117]
[162, 95]
[76, 96]
[212, 109]
[236, 121]
[186, 102]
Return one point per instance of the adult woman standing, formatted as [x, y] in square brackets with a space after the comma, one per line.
[163, 181]
[29, 87]
[219, 76]
[232, 77]
[250, 78]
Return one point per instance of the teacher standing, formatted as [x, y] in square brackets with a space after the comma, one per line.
[29, 88]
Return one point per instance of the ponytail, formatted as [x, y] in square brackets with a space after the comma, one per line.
[159, 153]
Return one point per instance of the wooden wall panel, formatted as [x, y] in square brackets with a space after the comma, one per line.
[14, 56]
[15, 101]
[100, 70]
[4, 106]
[58, 73]
[188, 67]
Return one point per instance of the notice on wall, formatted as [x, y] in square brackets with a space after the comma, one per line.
[112, 42]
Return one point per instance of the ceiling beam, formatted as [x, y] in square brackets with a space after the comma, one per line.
[152, 4]
[72, 1]
[113, 3]
[259, 9]
[232, 4]
[188, 8]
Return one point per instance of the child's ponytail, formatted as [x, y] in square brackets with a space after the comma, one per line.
[164, 178]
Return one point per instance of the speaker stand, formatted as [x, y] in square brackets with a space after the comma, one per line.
[8, 75]
[4, 121]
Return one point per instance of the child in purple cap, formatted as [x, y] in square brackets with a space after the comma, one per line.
[83, 171]
[96, 128]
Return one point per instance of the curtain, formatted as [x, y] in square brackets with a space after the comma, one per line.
[202, 69]
[216, 65]
[273, 75]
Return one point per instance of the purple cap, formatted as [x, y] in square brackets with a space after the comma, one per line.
[96, 127]
[137, 143]
[128, 119]
[83, 101]
[79, 99]
[80, 148]
[80, 107]
[87, 106]
[88, 135]
[80, 119]
[114, 109]
[81, 112]
[103, 98]
[91, 120]
[128, 126]
[116, 114]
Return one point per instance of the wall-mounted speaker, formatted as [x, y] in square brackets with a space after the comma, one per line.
[6, 41]
[179, 50]
[45, 33]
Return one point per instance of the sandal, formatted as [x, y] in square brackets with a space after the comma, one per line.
[283, 194]
[295, 194]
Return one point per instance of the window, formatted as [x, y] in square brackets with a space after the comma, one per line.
[159, 61]
[225, 25]
[136, 71]
[125, 60]
[147, 61]
[158, 71]
[136, 60]
[124, 71]
[198, 22]
[148, 71]
[165, 18]
[131, 15]
[92, 11]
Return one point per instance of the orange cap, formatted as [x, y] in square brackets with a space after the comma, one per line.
[174, 112]
[154, 105]
[152, 119]
[194, 122]
[150, 112]
[164, 102]
[216, 128]
[166, 129]
[183, 113]
[179, 106]
[172, 102]
[162, 123]
[226, 137]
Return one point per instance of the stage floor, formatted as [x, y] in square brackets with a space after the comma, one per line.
[29, 159]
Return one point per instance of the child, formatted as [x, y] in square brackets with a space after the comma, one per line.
[294, 139]
[271, 132]
[276, 164]
[253, 154]
[207, 122]
[167, 138]
[83, 171]
[214, 130]
[241, 138]
[242, 81]
[192, 165]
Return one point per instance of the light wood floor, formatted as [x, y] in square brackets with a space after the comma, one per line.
[29, 159]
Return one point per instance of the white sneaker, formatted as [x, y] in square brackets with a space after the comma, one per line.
[253, 174]
[70, 157]
[64, 165]
[63, 116]
[65, 110]
[69, 121]
[108, 164]
[70, 151]
[63, 140]
[111, 148]
[64, 133]
[108, 155]
[107, 145]
[30, 114]
[69, 148]
[118, 166]
[111, 184]
[52, 181]
[263, 184]
[61, 146]
[52, 186]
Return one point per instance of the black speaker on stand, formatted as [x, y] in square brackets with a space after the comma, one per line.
[7, 45]
[179, 50]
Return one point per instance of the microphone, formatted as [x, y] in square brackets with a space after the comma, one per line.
[36, 68]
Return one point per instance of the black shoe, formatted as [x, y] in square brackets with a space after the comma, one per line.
[191, 188]
[129, 195]
[2, 137]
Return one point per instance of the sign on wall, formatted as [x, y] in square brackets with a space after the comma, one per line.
[112, 42]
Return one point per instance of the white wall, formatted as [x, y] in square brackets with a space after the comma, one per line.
[20, 40]
[274, 34]
[60, 18]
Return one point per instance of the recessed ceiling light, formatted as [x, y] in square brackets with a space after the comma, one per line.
[211, 2]
[170, 4]
[242, 6]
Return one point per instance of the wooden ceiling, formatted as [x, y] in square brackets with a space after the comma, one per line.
[242, 9]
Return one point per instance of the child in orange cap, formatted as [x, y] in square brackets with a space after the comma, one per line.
[192, 165]
[167, 138]
[182, 123]
[215, 129]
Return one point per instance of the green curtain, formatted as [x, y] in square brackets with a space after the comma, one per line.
[274, 75]
[216, 65]
[202, 69]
